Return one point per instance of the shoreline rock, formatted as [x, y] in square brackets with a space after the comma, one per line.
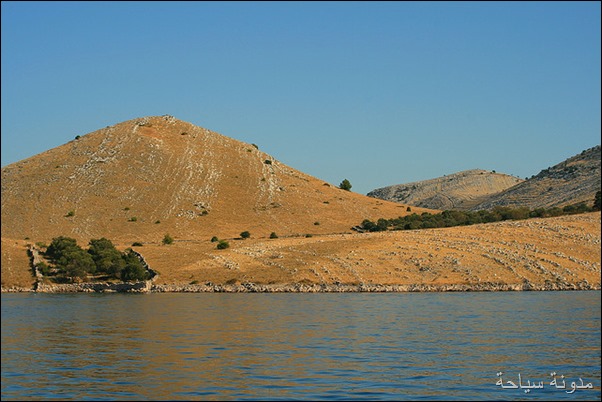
[149, 287]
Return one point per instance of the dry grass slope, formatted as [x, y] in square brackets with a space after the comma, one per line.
[177, 178]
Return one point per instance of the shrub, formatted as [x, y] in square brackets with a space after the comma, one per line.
[70, 214]
[245, 235]
[214, 239]
[136, 244]
[222, 244]
[157, 222]
[345, 185]
[167, 239]
[316, 223]
[267, 162]
[273, 235]
[132, 219]
[133, 270]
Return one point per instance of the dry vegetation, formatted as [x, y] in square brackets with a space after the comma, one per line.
[176, 178]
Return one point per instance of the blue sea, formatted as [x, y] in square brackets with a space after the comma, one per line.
[290, 346]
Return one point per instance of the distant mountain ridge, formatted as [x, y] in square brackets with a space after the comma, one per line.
[572, 181]
[462, 190]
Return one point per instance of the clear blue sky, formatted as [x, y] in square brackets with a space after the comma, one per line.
[379, 93]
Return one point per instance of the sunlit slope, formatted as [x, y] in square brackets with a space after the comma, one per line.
[137, 180]
[574, 180]
[552, 252]
[461, 190]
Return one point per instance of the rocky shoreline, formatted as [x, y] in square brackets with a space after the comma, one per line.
[149, 287]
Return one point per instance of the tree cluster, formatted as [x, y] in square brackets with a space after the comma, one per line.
[458, 218]
[71, 261]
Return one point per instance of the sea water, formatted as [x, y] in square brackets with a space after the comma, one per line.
[358, 346]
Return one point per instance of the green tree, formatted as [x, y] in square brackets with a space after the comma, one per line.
[133, 269]
[245, 235]
[107, 258]
[76, 264]
[598, 200]
[345, 185]
[59, 246]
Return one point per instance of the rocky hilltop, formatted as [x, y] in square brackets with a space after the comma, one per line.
[574, 180]
[461, 190]
[139, 180]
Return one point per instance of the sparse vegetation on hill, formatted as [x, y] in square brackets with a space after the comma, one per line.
[202, 184]
[450, 218]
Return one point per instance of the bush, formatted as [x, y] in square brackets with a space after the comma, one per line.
[214, 239]
[167, 239]
[133, 270]
[70, 214]
[245, 235]
[222, 244]
[267, 162]
[273, 235]
[345, 185]
[132, 219]
[136, 244]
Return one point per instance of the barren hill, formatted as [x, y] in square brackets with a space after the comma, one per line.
[462, 190]
[572, 181]
[141, 179]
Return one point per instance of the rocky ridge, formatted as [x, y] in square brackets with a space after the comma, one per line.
[461, 190]
[574, 180]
